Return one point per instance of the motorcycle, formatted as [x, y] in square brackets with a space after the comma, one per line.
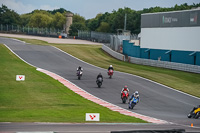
[110, 73]
[124, 96]
[132, 103]
[79, 74]
[194, 113]
[99, 82]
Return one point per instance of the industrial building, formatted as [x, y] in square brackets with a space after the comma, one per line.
[168, 36]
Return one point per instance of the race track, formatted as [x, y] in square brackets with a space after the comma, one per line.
[157, 100]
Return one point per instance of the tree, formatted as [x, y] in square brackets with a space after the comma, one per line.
[75, 27]
[8, 16]
[40, 20]
[59, 20]
[104, 27]
[25, 18]
[78, 19]
[61, 10]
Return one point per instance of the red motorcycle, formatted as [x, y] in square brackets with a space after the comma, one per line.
[110, 73]
[124, 96]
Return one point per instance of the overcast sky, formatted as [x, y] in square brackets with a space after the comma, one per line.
[88, 8]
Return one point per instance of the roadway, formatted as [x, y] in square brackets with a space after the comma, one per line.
[157, 100]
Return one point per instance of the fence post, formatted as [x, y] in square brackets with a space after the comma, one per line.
[1, 27]
[23, 28]
[7, 27]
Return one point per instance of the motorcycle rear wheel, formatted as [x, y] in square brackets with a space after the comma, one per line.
[124, 100]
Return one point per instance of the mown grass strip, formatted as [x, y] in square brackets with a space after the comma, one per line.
[42, 99]
[93, 54]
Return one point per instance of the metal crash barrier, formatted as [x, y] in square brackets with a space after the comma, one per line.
[152, 131]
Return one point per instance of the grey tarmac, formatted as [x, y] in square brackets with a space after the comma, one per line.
[157, 100]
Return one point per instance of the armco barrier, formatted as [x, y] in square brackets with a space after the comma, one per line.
[152, 131]
[113, 53]
[165, 64]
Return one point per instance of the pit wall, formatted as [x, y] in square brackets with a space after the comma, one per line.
[185, 57]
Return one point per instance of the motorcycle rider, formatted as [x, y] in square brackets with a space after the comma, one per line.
[100, 76]
[125, 89]
[198, 106]
[136, 95]
[110, 68]
[80, 69]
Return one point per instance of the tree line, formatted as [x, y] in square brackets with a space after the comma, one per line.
[103, 22]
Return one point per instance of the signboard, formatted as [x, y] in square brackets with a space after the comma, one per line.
[92, 117]
[20, 77]
[187, 18]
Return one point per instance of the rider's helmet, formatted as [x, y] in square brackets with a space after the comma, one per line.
[125, 87]
[136, 93]
[79, 67]
[110, 65]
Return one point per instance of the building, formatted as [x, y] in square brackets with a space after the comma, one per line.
[168, 36]
[69, 20]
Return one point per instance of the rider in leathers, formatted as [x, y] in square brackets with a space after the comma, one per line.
[136, 95]
[125, 89]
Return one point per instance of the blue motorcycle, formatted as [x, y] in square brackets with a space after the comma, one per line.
[132, 103]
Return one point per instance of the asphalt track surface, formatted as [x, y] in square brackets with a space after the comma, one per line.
[156, 101]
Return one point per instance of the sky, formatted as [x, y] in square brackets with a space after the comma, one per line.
[88, 8]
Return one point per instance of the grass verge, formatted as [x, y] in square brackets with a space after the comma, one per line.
[42, 99]
[93, 54]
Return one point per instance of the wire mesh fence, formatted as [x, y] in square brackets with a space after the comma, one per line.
[109, 39]
[95, 36]
[30, 30]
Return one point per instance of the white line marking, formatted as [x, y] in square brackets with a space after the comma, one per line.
[117, 108]
[19, 56]
[131, 75]
[105, 69]
[18, 40]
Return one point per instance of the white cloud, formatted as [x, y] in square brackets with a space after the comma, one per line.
[22, 8]
[19, 7]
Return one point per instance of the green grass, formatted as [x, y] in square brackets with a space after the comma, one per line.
[183, 81]
[42, 99]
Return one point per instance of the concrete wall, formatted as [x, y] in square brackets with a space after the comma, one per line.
[166, 64]
[113, 53]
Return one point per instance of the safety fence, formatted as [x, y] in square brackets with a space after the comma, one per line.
[165, 64]
[112, 40]
[51, 32]
[116, 41]
[95, 36]
[113, 53]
